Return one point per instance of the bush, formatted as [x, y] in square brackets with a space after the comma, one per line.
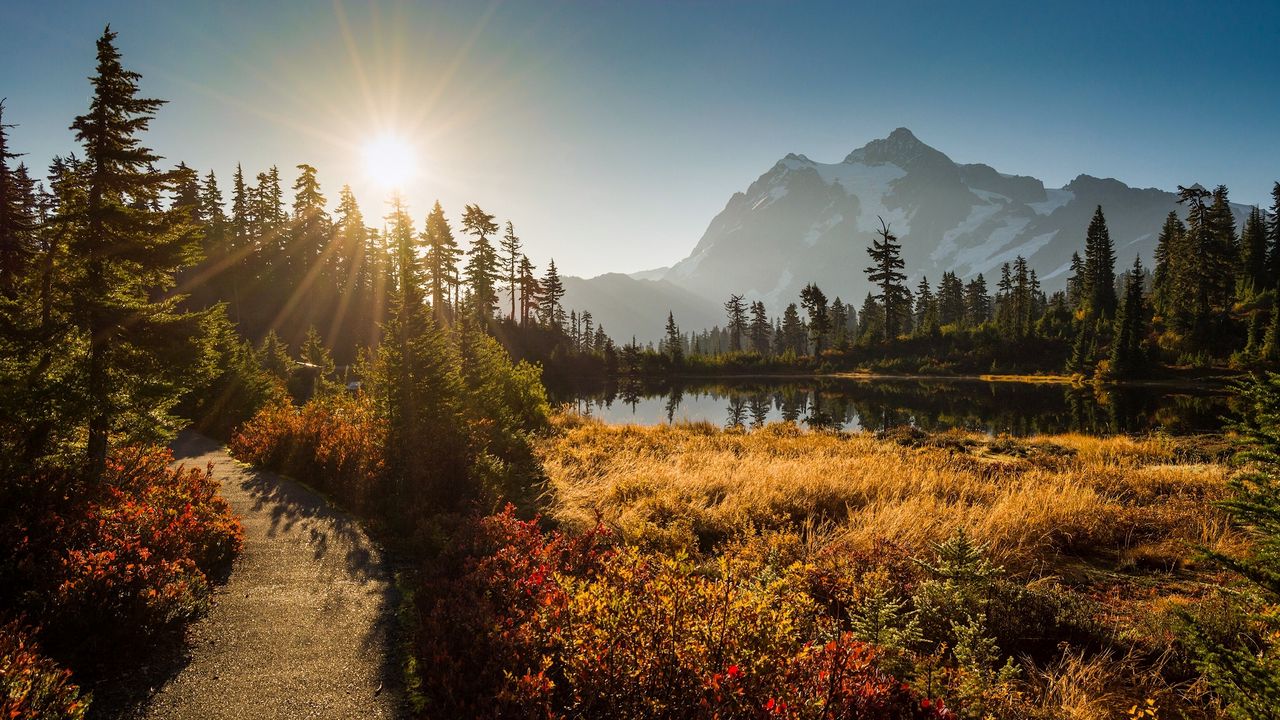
[105, 567]
[32, 686]
[334, 444]
[526, 623]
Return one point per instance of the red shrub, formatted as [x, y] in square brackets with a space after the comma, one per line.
[33, 687]
[522, 623]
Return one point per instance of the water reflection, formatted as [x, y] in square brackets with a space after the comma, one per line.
[881, 404]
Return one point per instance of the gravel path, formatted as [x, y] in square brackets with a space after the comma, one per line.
[301, 627]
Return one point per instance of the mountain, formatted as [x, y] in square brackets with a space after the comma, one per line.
[630, 307]
[804, 221]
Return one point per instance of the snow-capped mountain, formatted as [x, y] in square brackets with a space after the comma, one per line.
[804, 221]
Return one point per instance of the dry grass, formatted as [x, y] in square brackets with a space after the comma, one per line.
[1033, 502]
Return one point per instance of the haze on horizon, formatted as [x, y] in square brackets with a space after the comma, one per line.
[612, 134]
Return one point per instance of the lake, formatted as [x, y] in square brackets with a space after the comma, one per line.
[1016, 408]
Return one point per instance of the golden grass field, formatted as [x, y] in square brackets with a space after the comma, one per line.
[1031, 501]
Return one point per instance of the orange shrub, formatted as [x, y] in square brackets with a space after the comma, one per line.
[335, 445]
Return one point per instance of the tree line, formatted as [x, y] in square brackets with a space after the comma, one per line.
[1210, 299]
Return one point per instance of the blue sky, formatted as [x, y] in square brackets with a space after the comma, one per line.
[611, 133]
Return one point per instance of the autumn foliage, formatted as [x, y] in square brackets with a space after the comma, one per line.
[518, 622]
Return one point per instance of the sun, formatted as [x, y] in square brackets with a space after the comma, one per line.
[390, 161]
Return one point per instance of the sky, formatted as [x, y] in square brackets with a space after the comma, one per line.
[611, 133]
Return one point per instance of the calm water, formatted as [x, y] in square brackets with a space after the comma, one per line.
[1015, 408]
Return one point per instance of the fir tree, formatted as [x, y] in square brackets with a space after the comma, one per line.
[814, 302]
[791, 334]
[1127, 356]
[760, 329]
[552, 292]
[441, 259]
[674, 343]
[126, 255]
[15, 221]
[737, 326]
[511, 263]
[977, 303]
[530, 290]
[885, 272]
[309, 232]
[482, 270]
[1273, 239]
[951, 300]
[1099, 269]
[1253, 256]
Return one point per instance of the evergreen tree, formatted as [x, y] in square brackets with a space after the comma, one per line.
[351, 238]
[760, 329]
[791, 333]
[674, 343]
[511, 263]
[408, 278]
[16, 223]
[814, 302]
[1245, 675]
[1224, 247]
[126, 255]
[482, 270]
[309, 232]
[951, 300]
[274, 358]
[885, 272]
[319, 363]
[441, 259]
[552, 292]
[1273, 239]
[1253, 256]
[1099, 269]
[926, 307]
[1076, 281]
[737, 327]
[838, 320]
[871, 320]
[1127, 356]
[977, 303]
[1199, 262]
[530, 290]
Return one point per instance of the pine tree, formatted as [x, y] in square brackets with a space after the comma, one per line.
[273, 356]
[977, 303]
[926, 309]
[511, 262]
[126, 254]
[1199, 263]
[674, 343]
[1172, 287]
[1224, 255]
[737, 326]
[15, 221]
[1076, 281]
[760, 329]
[441, 259]
[309, 233]
[1253, 256]
[885, 273]
[871, 320]
[1127, 355]
[406, 265]
[482, 270]
[814, 302]
[350, 238]
[838, 321]
[552, 292]
[530, 290]
[951, 300]
[791, 334]
[1099, 269]
[1273, 239]
[318, 361]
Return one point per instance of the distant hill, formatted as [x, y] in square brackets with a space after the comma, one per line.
[804, 221]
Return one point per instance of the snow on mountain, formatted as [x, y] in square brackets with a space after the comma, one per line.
[804, 221]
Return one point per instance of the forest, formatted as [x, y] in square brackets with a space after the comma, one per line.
[552, 566]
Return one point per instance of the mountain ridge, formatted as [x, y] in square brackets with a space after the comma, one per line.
[803, 221]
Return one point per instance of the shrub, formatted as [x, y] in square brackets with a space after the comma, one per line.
[32, 686]
[335, 444]
[104, 567]
[526, 623]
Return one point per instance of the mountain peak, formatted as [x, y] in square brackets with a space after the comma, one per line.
[902, 148]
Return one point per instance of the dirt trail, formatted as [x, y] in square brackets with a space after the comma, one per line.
[301, 627]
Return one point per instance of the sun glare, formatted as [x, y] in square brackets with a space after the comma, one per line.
[390, 161]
